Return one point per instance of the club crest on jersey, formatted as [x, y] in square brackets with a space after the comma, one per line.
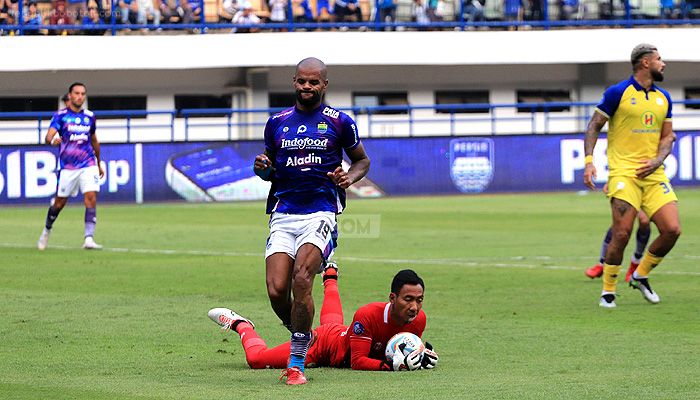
[329, 112]
[648, 119]
[322, 127]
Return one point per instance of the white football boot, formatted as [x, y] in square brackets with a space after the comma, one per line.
[225, 317]
[642, 284]
[43, 239]
[90, 244]
[607, 300]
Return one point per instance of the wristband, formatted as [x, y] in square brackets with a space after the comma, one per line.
[589, 159]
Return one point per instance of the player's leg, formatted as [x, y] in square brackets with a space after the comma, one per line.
[331, 309]
[257, 354]
[279, 263]
[90, 186]
[643, 234]
[68, 181]
[597, 270]
[667, 221]
[278, 275]
[306, 266]
[90, 200]
[660, 203]
[623, 216]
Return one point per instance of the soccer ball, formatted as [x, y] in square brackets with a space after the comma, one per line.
[412, 342]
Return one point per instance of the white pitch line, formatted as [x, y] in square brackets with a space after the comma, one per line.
[407, 262]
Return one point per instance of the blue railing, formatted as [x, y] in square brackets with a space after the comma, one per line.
[408, 120]
[687, 12]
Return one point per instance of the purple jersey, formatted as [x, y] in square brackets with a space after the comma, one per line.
[76, 130]
[304, 147]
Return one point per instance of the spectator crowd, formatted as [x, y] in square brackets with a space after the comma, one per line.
[96, 16]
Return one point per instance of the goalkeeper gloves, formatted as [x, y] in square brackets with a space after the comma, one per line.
[410, 362]
[430, 358]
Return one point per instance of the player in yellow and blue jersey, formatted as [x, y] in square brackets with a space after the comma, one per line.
[640, 137]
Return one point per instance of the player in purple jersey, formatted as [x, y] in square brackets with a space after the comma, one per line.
[304, 148]
[73, 129]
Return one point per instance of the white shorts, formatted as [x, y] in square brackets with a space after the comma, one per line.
[289, 231]
[69, 180]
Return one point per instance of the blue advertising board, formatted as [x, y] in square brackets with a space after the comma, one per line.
[221, 171]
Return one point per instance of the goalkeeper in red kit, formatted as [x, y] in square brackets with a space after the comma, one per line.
[359, 346]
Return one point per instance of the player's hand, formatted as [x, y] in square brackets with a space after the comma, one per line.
[589, 174]
[262, 166]
[340, 178]
[647, 168]
[430, 357]
[56, 140]
[101, 170]
[410, 362]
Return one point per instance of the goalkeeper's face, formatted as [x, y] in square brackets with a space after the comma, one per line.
[406, 304]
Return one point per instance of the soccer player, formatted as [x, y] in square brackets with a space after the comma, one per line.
[640, 137]
[336, 345]
[304, 148]
[73, 129]
[642, 237]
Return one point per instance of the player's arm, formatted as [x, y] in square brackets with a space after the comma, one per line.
[596, 123]
[664, 149]
[96, 148]
[358, 168]
[51, 137]
[262, 166]
[360, 347]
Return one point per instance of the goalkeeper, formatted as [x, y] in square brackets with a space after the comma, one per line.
[359, 346]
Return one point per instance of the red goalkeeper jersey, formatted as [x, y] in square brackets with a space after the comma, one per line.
[371, 330]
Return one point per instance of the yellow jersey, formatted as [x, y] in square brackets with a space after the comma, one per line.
[635, 117]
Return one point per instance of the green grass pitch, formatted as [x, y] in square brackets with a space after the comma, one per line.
[509, 309]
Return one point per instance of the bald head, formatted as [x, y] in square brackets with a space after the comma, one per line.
[312, 64]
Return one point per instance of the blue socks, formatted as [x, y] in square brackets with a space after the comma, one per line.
[299, 346]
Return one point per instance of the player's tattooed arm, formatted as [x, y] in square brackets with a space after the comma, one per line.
[596, 123]
[664, 149]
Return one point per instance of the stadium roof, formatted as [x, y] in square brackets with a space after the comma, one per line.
[571, 46]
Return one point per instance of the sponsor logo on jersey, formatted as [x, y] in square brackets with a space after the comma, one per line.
[301, 129]
[282, 114]
[322, 127]
[298, 161]
[357, 328]
[78, 128]
[305, 143]
[78, 137]
[329, 112]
